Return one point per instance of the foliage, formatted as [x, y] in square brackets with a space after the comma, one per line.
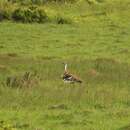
[6, 126]
[5, 15]
[5, 10]
[40, 2]
[96, 49]
[29, 14]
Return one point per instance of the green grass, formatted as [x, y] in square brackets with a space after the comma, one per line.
[95, 46]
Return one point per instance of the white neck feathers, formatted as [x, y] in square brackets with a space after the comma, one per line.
[65, 67]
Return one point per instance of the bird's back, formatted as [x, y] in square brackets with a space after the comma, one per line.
[70, 77]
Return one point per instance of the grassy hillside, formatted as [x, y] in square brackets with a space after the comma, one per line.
[96, 47]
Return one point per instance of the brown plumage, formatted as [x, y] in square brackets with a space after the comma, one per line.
[70, 78]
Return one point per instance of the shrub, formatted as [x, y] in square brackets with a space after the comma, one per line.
[40, 2]
[5, 10]
[61, 1]
[4, 14]
[1, 15]
[26, 2]
[5, 126]
[29, 14]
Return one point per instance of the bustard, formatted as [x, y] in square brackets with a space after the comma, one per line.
[70, 78]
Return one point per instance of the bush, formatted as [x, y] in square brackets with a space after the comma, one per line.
[5, 10]
[29, 14]
[1, 15]
[28, 2]
[5, 126]
[4, 15]
[40, 2]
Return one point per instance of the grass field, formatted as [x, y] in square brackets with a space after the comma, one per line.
[95, 46]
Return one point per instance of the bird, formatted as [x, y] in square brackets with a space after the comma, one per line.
[68, 77]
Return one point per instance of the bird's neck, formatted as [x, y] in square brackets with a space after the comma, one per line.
[65, 67]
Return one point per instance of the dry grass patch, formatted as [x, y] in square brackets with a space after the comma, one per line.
[28, 80]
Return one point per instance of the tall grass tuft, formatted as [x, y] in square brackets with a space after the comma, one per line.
[62, 20]
[26, 80]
